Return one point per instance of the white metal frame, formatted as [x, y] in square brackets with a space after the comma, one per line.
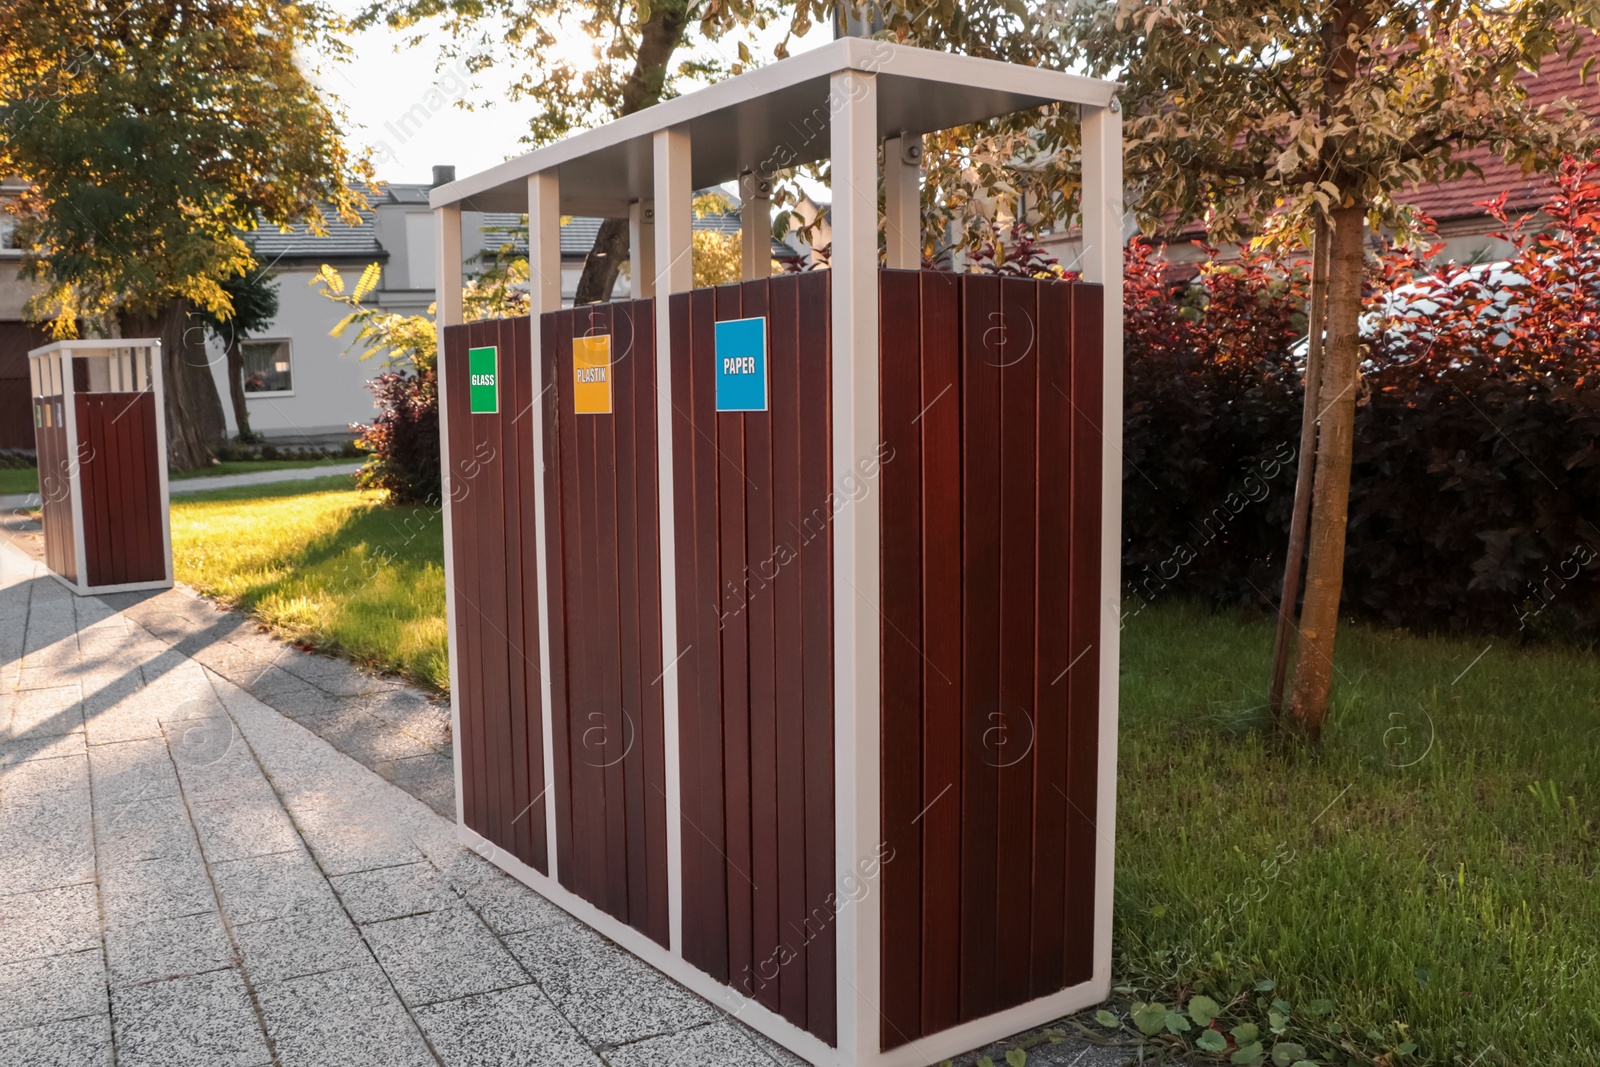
[64, 353]
[657, 152]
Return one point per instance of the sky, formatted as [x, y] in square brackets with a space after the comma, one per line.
[381, 89]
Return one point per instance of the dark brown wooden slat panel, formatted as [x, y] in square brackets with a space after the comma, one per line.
[706, 825]
[498, 652]
[627, 745]
[605, 724]
[754, 602]
[134, 504]
[900, 633]
[980, 626]
[525, 546]
[816, 570]
[1084, 730]
[586, 620]
[943, 747]
[514, 394]
[783, 328]
[130, 496]
[101, 466]
[124, 517]
[93, 462]
[732, 486]
[555, 388]
[1014, 754]
[685, 674]
[652, 741]
[128, 502]
[1056, 654]
[155, 546]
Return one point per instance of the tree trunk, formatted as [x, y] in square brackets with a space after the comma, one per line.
[195, 422]
[1330, 501]
[241, 412]
[1294, 558]
[659, 37]
[604, 261]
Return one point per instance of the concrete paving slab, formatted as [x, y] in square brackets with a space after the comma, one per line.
[492, 1029]
[52, 989]
[203, 1021]
[140, 830]
[300, 944]
[441, 956]
[717, 1042]
[49, 922]
[168, 888]
[235, 827]
[132, 770]
[273, 886]
[84, 1042]
[39, 777]
[350, 1018]
[612, 997]
[394, 892]
[157, 950]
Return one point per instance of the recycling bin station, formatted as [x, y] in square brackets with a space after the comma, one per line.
[101, 441]
[784, 613]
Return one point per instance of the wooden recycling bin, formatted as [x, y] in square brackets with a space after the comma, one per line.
[784, 614]
[101, 441]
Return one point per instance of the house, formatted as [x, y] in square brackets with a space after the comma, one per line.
[16, 337]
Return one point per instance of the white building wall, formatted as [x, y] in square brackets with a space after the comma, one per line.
[329, 380]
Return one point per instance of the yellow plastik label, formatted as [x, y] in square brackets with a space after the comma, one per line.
[591, 375]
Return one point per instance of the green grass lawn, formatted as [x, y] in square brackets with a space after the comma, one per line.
[1432, 875]
[1428, 880]
[18, 480]
[323, 563]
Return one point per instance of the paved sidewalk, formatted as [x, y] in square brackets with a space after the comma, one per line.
[189, 877]
[216, 849]
[178, 487]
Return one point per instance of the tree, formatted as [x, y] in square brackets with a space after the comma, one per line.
[253, 297]
[152, 135]
[632, 65]
[1266, 115]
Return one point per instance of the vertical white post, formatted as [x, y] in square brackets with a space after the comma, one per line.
[853, 105]
[74, 471]
[447, 312]
[902, 202]
[755, 225]
[674, 273]
[642, 249]
[1102, 264]
[158, 386]
[544, 243]
[544, 294]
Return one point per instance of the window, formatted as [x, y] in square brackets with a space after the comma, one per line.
[266, 367]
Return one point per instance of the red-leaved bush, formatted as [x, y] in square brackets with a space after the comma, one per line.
[404, 438]
[1475, 499]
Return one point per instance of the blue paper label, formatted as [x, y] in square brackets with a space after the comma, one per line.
[741, 351]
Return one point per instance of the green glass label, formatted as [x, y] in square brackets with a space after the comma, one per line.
[484, 366]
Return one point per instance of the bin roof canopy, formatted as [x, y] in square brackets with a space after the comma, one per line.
[769, 118]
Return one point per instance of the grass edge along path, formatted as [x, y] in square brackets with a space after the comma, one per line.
[17, 481]
[325, 565]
